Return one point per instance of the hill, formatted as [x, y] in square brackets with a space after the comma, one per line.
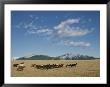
[67, 56]
[36, 57]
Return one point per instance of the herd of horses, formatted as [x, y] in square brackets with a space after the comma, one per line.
[21, 66]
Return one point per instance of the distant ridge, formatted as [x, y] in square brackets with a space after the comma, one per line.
[67, 56]
[70, 56]
[36, 57]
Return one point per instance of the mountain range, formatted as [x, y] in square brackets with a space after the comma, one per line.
[67, 56]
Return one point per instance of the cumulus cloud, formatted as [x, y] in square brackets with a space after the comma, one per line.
[77, 44]
[66, 23]
[61, 32]
[64, 29]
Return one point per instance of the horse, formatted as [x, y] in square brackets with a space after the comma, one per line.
[60, 65]
[21, 67]
[33, 65]
[71, 65]
[15, 65]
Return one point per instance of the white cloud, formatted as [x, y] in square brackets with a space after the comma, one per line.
[40, 32]
[77, 44]
[28, 25]
[66, 23]
[64, 29]
[61, 31]
[31, 32]
[47, 31]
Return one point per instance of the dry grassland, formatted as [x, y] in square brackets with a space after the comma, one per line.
[84, 68]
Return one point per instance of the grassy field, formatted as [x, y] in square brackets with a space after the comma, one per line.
[84, 68]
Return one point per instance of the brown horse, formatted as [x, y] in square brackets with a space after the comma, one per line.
[15, 65]
[71, 65]
[48, 66]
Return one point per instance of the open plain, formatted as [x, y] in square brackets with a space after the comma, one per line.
[84, 68]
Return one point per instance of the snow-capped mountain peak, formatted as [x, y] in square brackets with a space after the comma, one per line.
[70, 56]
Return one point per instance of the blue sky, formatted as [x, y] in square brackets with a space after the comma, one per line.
[55, 33]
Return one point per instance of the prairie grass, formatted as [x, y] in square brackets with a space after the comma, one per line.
[84, 68]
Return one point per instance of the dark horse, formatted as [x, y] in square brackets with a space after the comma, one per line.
[15, 65]
[48, 66]
[71, 65]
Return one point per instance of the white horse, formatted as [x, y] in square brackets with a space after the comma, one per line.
[20, 67]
